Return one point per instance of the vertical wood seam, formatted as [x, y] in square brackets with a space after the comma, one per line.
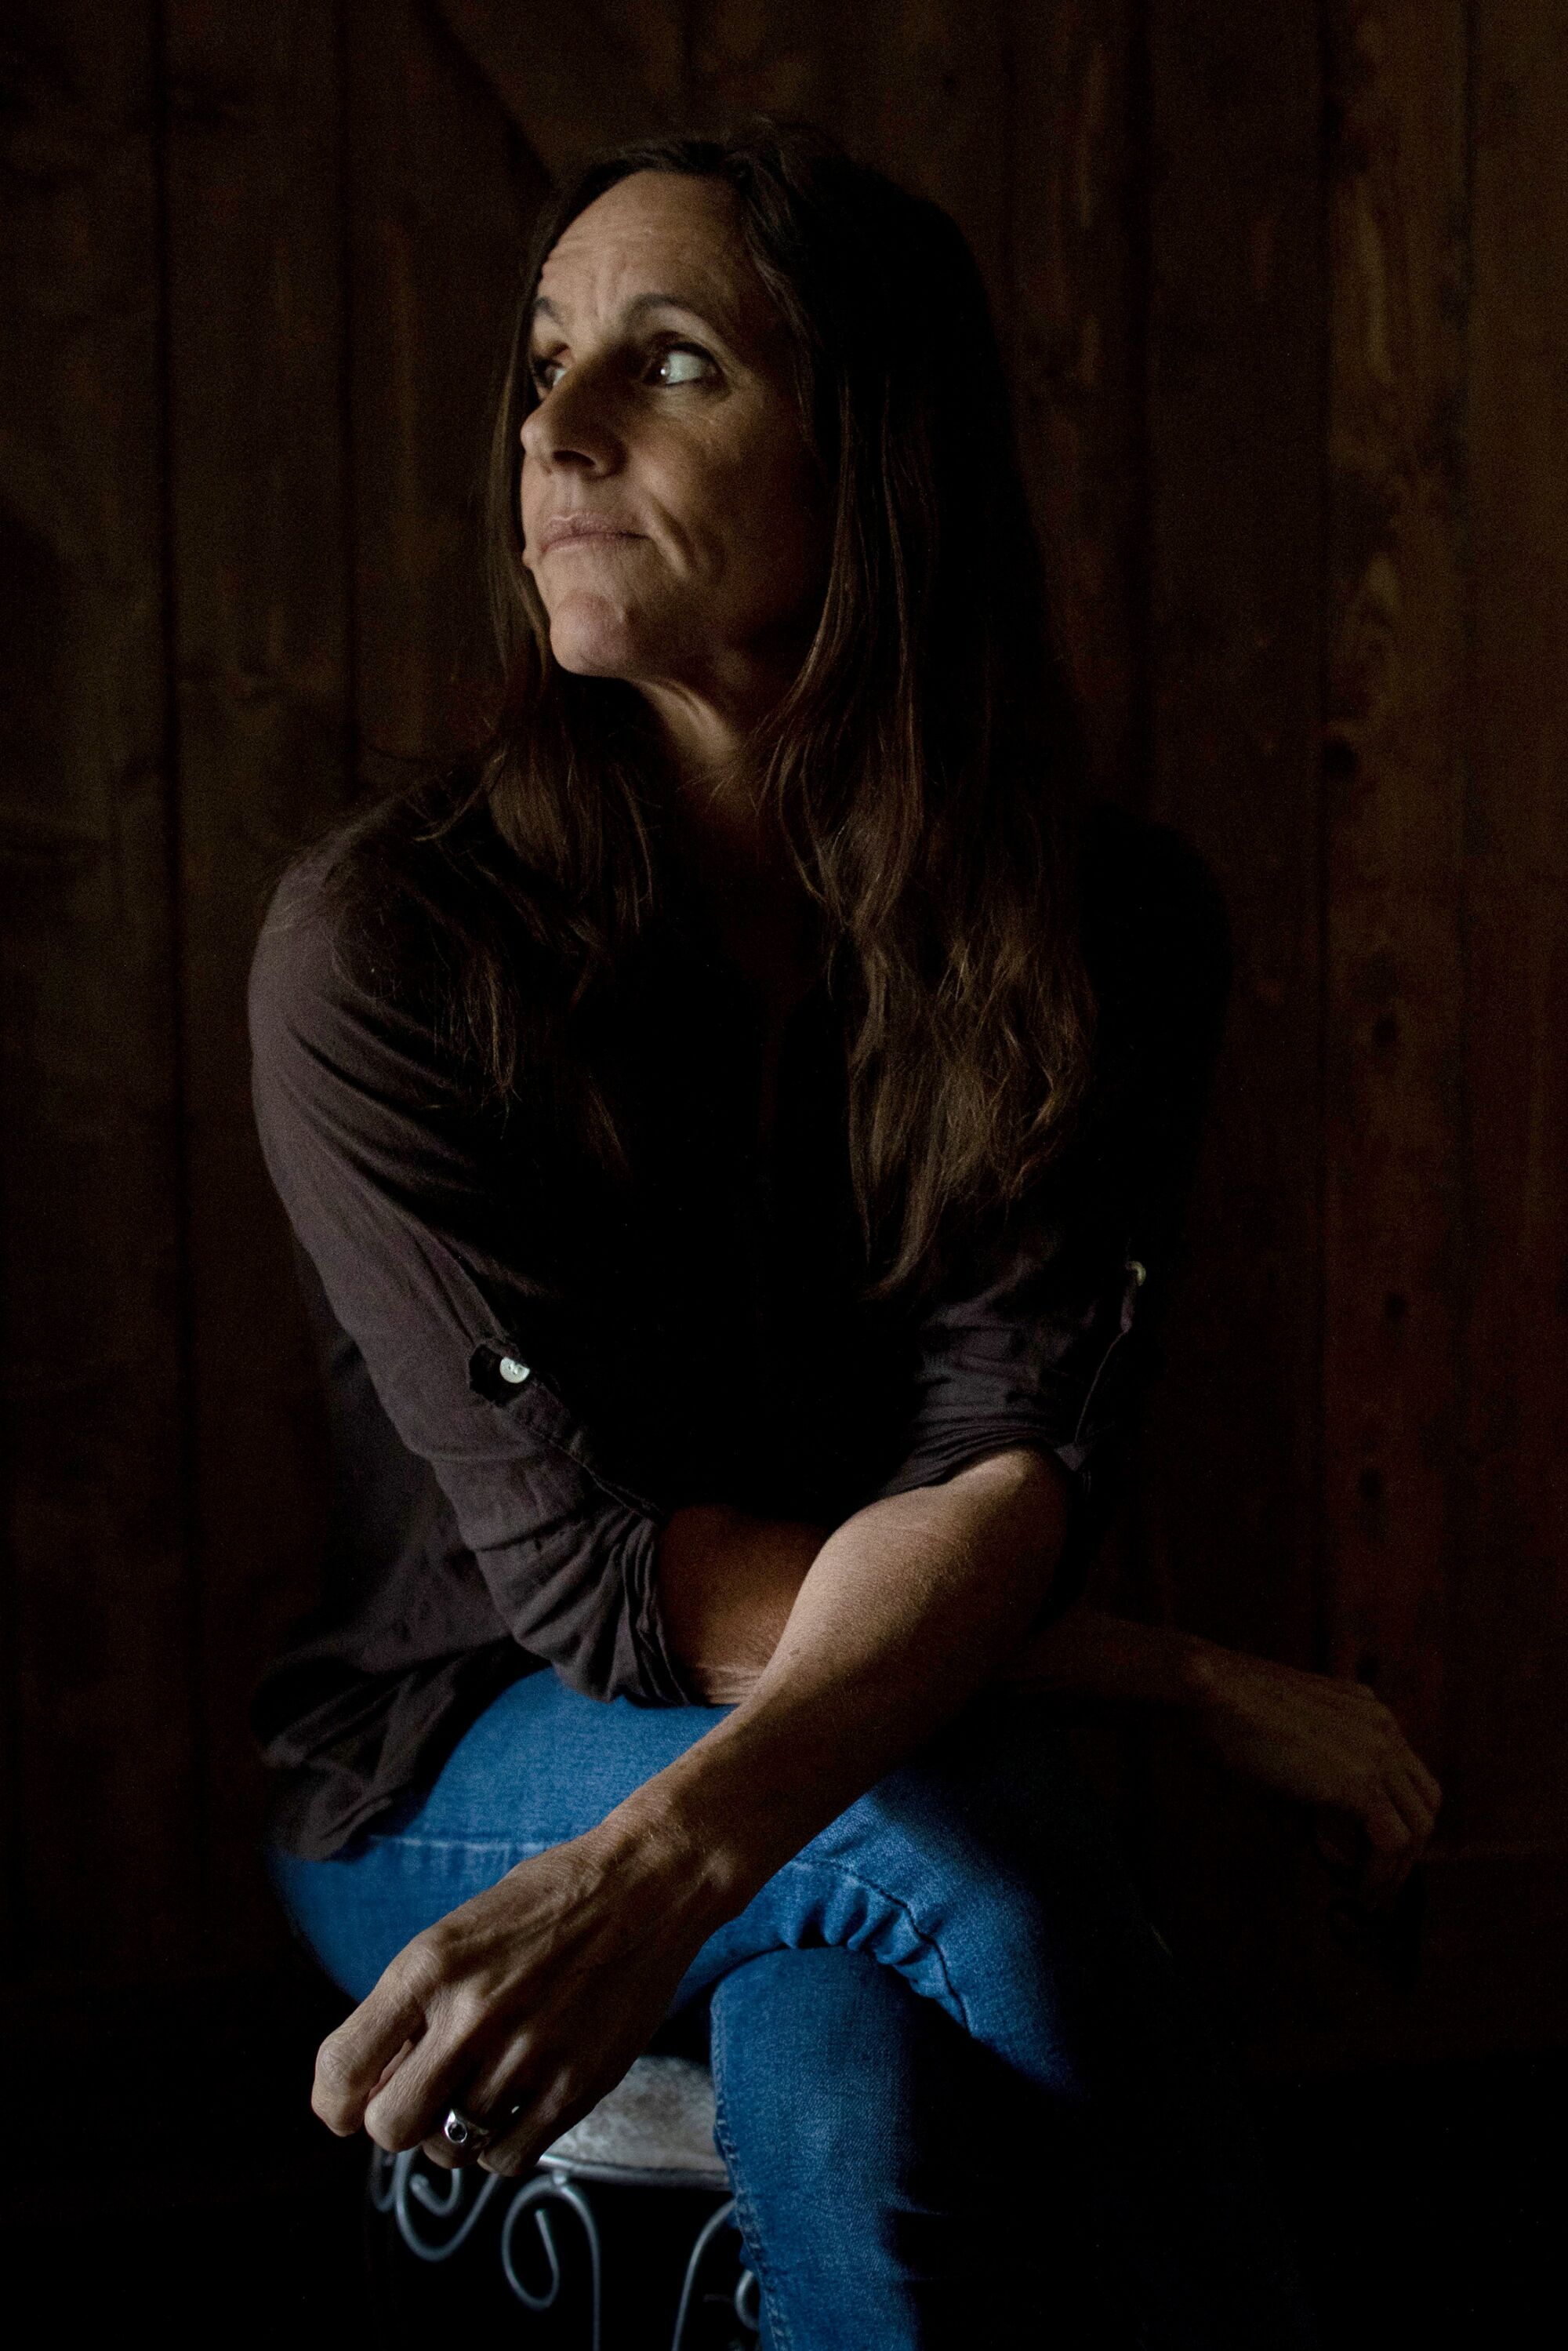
[1138, 219]
[13, 1870]
[1319, 1603]
[1007, 255]
[184, 1268]
[1464, 1508]
[353, 730]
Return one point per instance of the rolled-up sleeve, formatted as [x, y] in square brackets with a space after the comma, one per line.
[1045, 1335]
[1035, 1349]
[390, 1181]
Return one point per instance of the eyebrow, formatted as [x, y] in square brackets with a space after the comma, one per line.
[545, 309]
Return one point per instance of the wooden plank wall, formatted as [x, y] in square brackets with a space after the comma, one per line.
[1232, 386]
[1279, 292]
[259, 554]
[98, 1586]
[1506, 1636]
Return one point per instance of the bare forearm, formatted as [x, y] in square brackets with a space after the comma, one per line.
[728, 1582]
[1322, 1740]
[1091, 1654]
[904, 1613]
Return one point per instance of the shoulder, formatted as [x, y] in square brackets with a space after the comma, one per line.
[313, 967]
[383, 923]
[359, 962]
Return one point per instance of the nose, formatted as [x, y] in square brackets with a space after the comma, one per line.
[572, 427]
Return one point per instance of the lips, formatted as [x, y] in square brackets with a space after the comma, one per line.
[560, 529]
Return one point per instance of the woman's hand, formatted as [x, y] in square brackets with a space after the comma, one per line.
[540, 1992]
[1331, 1744]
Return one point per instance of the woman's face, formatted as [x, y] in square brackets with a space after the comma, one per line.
[672, 517]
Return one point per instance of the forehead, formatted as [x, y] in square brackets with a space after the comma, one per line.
[654, 233]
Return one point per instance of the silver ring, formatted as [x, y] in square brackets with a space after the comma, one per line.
[464, 2130]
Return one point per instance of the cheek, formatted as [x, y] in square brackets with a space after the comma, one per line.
[794, 528]
[755, 530]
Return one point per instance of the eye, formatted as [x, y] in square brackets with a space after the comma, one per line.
[540, 376]
[683, 363]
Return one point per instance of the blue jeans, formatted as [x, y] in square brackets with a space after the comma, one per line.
[960, 2080]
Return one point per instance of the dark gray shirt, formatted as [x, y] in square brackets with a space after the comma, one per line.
[529, 1367]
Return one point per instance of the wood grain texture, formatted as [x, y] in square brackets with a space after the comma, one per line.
[1510, 1625]
[259, 552]
[101, 1750]
[1395, 764]
[1230, 1494]
[1075, 326]
[569, 77]
[1235, 425]
[916, 90]
[434, 262]
[1292, 407]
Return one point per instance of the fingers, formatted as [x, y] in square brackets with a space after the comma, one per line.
[544, 2117]
[368, 2049]
[1407, 1784]
[499, 2114]
[1426, 1784]
[384, 2050]
[388, 2071]
[519, 2150]
[1392, 1848]
[1379, 1842]
[424, 2038]
[1401, 1809]
[461, 2062]
[523, 2127]
[413, 2105]
[1410, 1792]
[1402, 1759]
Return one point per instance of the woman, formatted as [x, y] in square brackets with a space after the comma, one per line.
[732, 1121]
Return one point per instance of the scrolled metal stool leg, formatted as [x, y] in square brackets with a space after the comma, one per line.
[705, 2235]
[647, 2189]
[531, 2196]
[413, 2188]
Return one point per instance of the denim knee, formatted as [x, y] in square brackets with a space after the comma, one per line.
[832, 2076]
[1003, 1891]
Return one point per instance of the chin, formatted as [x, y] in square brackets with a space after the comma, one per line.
[592, 637]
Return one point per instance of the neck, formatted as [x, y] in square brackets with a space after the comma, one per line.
[705, 734]
[731, 851]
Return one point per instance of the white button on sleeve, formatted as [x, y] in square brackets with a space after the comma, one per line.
[514, 1372]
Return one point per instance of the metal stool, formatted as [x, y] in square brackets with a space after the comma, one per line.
[622, 2238]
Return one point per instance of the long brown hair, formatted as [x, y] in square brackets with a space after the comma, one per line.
[924, 770]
